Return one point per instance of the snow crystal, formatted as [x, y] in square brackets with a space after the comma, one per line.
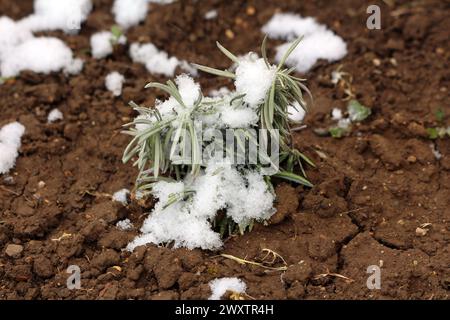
[102, 43]
[296, 112]
[54, 115]
[124, 225]
[114, 83]
[64, 15]
[318, 42]
[253, 78]
[156, 61]
[220, 286]
[42, 55]
[211, 14]
[336, 114]
[10, 136]
[121, 196]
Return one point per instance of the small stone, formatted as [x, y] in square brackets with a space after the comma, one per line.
[13, 250]
[41, 184]
[440, 51]
[229, 33]
[376, 62]
[250, 11]
[421, 231]
[411, 159]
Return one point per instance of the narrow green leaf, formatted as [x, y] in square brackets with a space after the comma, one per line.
[226, 52]
[264, 51]
[288, 52]
[293, 177]
[217, 72]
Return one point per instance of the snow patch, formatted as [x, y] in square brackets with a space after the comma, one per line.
[74, 67]
[121, 196]
[11, 35]
[129, 13]
[156, 61]
[42, 55]
[64, 15]
[102, 43]
[318, 42]
[114, 83]
[289, 26]
[296, 112]
[54, 115]
[239, 117]
[245, 196]
[220, 286]
[124, 225]
[211, 14]
[254, 78]
[10, 136]
[336, 114]
[435, 151]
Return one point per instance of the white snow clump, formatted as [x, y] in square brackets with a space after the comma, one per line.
[318, 42]
[10, 136]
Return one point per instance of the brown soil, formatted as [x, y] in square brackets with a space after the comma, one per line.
[372, 190]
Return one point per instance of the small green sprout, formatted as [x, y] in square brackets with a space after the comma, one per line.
[337, 132]
[117, 33]
[440, 115]
[439, 132]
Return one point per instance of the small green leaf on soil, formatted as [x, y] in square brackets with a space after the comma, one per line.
[432, 133]
[440, 114]
[357, 111]
[337, 132]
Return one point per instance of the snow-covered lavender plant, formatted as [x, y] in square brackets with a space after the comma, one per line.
[168, 148]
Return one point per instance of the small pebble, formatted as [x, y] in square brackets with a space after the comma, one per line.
[411, 159]
[13, 250]
[229, 33]
[250, 11]
[421, 231]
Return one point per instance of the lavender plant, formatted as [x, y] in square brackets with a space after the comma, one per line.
[167, 144]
